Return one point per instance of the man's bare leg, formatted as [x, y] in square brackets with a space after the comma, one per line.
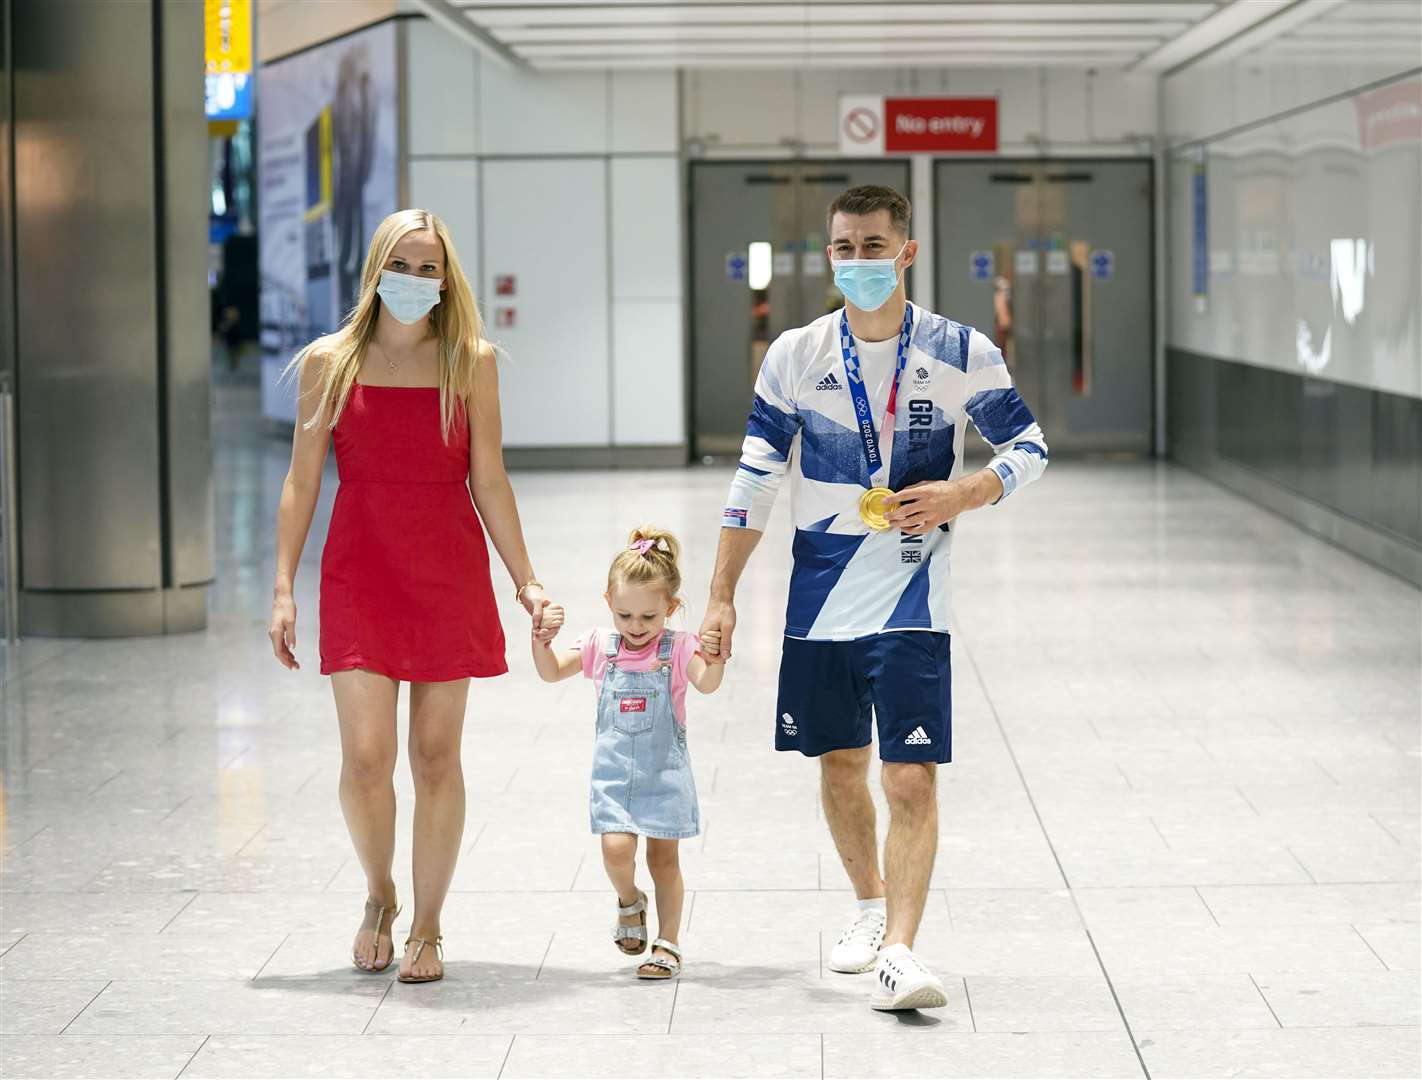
[911, 847]
[849, 810]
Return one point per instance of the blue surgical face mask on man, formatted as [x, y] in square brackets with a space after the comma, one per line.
[868, 283]
[409, 298]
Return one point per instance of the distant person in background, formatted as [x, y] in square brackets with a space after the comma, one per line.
[1002, 315]
[408, 391]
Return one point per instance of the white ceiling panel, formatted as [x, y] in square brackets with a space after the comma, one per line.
[1150, 36]
[1136, 32]
[823, 48]
[966, 60]
[590, 14]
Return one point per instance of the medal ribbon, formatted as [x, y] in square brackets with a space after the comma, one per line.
[874, 449]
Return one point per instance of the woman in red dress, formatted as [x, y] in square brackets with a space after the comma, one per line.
[407, 389]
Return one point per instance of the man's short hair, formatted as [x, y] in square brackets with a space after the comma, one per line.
[868, 198]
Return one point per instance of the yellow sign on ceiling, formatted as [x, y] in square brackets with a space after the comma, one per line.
[229, 36]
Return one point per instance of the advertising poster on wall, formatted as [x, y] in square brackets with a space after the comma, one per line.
[327, 162]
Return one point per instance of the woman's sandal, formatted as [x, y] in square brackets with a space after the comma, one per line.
[420, 944]
[661, 967]
[371, 905]
[637, 935]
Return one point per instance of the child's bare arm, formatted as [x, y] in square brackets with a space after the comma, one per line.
[554, 665]
[704, 675]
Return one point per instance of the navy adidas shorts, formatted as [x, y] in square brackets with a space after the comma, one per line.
[832, 693]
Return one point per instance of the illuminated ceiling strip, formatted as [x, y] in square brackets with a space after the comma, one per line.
[830, 48]
[1210, 33]
[1152, 33]
[810, 14]
[780, 61]
[1270, 32]
[445, 14]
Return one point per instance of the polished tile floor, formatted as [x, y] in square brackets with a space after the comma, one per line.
[1180, 837]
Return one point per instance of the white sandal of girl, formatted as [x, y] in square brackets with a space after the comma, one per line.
[636, 934]
[661, 967]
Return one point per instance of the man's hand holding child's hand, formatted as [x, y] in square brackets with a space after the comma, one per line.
[711, 647]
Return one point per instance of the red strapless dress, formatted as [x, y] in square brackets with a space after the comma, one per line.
[405, 587]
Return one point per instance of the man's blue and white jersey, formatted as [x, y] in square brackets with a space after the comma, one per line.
[849, 582]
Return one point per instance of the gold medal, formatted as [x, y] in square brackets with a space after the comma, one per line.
[874, 507]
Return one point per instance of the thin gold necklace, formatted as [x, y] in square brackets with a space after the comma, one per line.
[390, 361]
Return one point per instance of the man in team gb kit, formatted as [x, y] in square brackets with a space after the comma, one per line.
[867, 409]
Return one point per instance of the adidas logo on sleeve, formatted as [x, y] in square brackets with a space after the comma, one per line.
[918, 737]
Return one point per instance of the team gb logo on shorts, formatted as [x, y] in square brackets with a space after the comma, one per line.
[788, 723]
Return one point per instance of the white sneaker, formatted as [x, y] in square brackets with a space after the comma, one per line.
[902, 982]
[858, 947]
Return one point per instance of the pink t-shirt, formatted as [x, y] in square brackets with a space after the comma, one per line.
[593, 646]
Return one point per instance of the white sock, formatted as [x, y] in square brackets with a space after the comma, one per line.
[874, 902]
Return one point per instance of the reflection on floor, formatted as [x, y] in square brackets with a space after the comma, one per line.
[1181, 832]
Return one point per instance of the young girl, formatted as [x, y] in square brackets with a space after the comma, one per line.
[641, 776]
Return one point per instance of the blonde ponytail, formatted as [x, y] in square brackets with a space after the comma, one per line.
[650, 558]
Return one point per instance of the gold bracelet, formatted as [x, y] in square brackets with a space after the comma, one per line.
[518, 596]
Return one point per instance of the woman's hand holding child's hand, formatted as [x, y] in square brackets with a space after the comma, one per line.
[553, 665]
[553, 618]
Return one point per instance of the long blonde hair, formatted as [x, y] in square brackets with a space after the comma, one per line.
[454, 321]
[650, 558]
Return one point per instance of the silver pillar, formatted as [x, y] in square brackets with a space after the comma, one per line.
[113, 380]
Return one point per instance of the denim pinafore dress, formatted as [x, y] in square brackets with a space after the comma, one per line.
[641, 773]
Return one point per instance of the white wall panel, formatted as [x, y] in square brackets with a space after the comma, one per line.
[1313, 243]
[648, 370]
[1082, 108]
[646, 229]
[648, 354]
[643, 112]
[546, 223]
[523, 112]
[443, 90]
[740, 108]
[1313, 218]
[451, 190]
[1205, 99]
[1020, 115]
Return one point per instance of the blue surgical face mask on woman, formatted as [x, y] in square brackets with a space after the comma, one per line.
[408, 297]
[867, 283]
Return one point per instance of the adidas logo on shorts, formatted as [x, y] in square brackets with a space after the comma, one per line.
[918, 737]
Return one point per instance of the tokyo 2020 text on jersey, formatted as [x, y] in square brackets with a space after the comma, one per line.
[847, 581]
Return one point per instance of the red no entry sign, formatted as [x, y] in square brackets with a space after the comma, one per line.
[940, 125]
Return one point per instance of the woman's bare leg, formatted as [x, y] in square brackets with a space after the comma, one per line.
[365, 708]
[436, 727]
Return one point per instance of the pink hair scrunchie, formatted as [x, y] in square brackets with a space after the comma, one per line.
[641, 547]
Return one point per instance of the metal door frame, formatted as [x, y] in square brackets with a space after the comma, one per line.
[942, 164]
[690, 218]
